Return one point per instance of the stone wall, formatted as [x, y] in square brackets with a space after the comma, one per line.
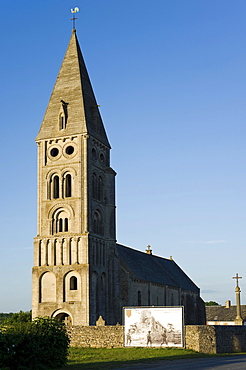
[96, 336]
[200, 338]
[215, 339]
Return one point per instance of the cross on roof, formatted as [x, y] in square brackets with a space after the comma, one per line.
[75, 10]
[73, 19]
[149, 250]
[237, 277]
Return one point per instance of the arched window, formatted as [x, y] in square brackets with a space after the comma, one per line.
[94, 297]
[94, 186]
[139, 298]
[100, 188]
[102, 296]
[56, 187]
[62, 121]
[60, 227]
[73, 283]
[71, 287]
[68, 185]
[47, 287]
[97, 187]
[103, 253]
[103, 282]
[60, 222]
[97, 253]
[97, 223]
[66, 224]
[94, 154]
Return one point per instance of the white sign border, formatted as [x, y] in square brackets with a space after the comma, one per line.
[162, 338]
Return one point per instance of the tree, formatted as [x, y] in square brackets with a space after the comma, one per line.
[18, 317]
[4, 316]
[212, 303]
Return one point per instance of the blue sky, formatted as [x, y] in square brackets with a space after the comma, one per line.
[169, 76]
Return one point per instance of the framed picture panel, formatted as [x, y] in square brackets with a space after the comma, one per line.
[153, 326]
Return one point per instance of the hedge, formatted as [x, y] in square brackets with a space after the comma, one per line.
[40, 344]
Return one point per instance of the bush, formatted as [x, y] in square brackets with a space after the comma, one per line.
[41, 344]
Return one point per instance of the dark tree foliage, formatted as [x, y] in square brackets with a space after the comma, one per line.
[40, 344]
[11, 318]
[212, 303]
[4, 316]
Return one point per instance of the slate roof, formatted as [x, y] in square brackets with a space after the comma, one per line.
[159, 270]
[221, 313]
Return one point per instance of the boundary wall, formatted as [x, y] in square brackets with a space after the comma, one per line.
[200, 338]
[96, 336]
[216, 338]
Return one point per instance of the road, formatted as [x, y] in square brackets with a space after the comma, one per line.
[237, 362]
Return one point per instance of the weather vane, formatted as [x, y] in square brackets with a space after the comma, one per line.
[75, 10]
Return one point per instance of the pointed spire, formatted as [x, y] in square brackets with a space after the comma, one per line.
[73, 108]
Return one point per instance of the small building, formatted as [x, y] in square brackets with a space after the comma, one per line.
[224, 315]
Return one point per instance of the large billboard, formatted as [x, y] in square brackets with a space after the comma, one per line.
[153, 326]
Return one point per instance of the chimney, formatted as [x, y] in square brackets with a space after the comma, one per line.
[228, 304]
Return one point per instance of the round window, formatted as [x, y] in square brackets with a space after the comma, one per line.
[69, 150]
[54, 152]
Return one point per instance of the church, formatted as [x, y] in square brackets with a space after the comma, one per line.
[80, 271]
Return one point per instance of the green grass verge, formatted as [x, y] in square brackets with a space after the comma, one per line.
[108, 358]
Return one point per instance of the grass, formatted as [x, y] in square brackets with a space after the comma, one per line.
[109, 358]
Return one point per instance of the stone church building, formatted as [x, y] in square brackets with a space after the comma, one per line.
[80, 272]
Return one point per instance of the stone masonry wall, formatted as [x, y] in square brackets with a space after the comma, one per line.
[96, 336]
[200, 338]
[216, 339]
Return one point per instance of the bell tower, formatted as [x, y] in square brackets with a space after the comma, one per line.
[75, 273]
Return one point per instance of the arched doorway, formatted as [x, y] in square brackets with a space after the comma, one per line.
[63, 316]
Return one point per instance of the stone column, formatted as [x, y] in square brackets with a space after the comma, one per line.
[44, 252]
[37, 252]
[66, 246]
[74, 249]
[59, 251]
[238, 320]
